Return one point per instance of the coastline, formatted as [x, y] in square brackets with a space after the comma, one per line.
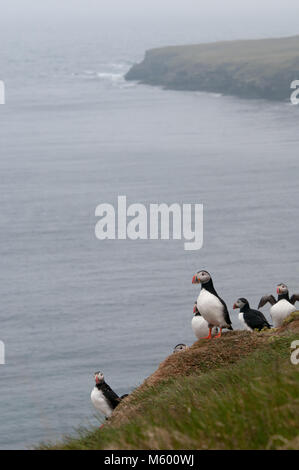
[251, 69]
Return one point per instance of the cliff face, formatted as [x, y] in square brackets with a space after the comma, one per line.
[250, 69]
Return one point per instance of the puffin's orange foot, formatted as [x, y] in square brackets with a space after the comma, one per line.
[219, 334]
[210, 334]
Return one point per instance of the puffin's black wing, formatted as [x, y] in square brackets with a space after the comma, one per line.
[294, 299]
[266, 323]
[226, 314]
[110, 395]
[255, 320]
[265, 299]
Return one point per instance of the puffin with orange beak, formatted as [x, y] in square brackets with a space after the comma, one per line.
[103, 398]
[212, 308]
[282, 307]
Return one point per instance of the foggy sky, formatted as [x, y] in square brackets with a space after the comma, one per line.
[233, 9]
[225, 18]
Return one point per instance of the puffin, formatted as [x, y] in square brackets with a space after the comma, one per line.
[210, 305]
[252, 319]
[199, 325]
[103, 398]
[282, 307]
[180, 347]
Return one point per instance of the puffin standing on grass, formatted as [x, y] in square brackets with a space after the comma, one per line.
[103, 398]
[211, 306]
[282, 307]
[199, 325]
[252, 319]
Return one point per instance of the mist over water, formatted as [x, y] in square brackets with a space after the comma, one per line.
[75, 134]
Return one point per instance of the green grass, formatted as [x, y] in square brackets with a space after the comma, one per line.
[274, 50]
[252, 404]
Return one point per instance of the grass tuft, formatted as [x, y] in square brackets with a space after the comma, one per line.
[292, 317]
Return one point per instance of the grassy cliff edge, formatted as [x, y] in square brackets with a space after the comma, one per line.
[262, 68]
[237, 392]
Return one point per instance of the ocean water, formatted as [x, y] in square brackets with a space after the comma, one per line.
[74, 134]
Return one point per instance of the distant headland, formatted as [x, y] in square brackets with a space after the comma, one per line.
[263, 68]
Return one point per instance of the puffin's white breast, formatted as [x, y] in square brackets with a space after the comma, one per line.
[100, 403]
[280, 311]
[200, 327]
[241, 318]
[211, 308]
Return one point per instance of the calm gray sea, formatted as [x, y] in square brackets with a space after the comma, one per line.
[74, 134]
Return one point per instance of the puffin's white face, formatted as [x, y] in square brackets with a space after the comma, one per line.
[240, 303]
[282, 289]
[99, 377]
[201, 277]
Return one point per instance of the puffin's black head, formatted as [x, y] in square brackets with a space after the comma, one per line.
[180, 347]
[99, 377]
[241, 303]
[201, 277]
[282, 289]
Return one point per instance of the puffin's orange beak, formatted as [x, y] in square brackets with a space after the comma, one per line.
[278, 290]
[195, 280]
[235, 306]
[194, 309]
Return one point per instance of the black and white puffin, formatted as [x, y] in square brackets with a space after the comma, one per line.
[252, 319]
[211, 306]
[103, 398]
[180, 347]
[199, 325]
[282, 307]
